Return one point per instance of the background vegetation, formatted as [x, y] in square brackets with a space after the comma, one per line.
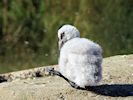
[28, 28]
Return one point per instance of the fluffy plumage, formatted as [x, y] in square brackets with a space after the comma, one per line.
[80, 59]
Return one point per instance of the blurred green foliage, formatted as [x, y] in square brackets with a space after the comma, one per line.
[28, 28]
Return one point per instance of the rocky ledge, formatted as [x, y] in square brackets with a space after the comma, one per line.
[36, 84]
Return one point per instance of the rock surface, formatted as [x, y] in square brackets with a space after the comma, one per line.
[117, 84]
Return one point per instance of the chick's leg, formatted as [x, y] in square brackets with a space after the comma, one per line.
[51, 71]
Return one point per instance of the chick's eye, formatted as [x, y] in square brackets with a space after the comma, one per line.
[62, 35]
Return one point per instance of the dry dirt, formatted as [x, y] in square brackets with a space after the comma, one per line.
[117, 84]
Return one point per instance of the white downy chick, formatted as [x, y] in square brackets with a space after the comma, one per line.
[80, 59]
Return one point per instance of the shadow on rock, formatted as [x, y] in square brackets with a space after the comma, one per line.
[113, 90]
[2, 79]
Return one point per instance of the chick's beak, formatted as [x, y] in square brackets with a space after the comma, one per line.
[60, 44]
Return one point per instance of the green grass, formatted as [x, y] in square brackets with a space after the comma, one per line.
[28, 29]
